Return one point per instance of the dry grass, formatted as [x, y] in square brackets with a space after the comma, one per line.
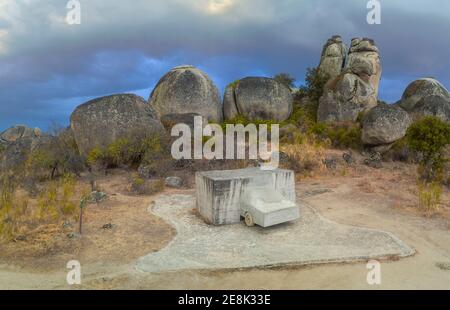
[47, 243]
[56, 203]
[429, 195]
[306, 158]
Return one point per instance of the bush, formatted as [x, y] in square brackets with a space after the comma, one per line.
[286, 79]
[315, 85]
[429, 196]
[128, 152]
[343, 135]
[430, 136]
[146, 187]
[303, 116]
[55, 156]
[304, 157]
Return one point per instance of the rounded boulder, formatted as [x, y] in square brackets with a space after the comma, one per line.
[259, 98]
[384, 124]
[102, 121]
[421, 89]
[186, 89]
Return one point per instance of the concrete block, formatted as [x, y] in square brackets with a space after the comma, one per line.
[220, 193]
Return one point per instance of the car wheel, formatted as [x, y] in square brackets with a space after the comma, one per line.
[249, 219]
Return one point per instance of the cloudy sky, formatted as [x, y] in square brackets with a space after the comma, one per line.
[48, 67]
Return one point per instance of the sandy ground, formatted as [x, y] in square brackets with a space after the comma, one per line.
[381, 199]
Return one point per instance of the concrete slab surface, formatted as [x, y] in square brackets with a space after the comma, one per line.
[310, 240]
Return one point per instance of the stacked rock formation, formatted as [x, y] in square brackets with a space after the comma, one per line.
[17, 142]
[333, 57]
[355, 89]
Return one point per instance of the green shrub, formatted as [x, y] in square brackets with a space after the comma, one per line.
[95, 156]
[430, 136]
[128, 152]
[344, 135]
[286, 79]
[303, 115]
[315, 85]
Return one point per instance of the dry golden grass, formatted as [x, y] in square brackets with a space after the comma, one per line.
[306, 158]
[429, 195]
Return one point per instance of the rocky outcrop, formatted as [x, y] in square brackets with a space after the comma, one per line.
[17, 132]
[186, 89]
[384, 124]
[258, 98]
[333, 57]
[102, 121]
[426, 97]
[355, 90]
[16, 143]
[345, 98]
[364, 61]
[17, 152]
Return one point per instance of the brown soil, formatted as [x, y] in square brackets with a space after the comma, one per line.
[134, 233]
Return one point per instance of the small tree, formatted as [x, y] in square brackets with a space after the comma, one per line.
[315, 84]
[430, 136]
[286, 79]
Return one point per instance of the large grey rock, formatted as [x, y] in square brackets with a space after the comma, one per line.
[102, 121]
[186, 89]
[364, 61]
[421, 89]
[170, 120]
[259, 98]
[437, 106]
[345, 98]
[355, 90]
[230, 110]
[18, 132]
[384, 124]
[333, 57]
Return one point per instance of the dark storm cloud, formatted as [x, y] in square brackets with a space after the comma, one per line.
[48, 67]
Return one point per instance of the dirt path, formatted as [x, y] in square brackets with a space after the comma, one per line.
[377, 200]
